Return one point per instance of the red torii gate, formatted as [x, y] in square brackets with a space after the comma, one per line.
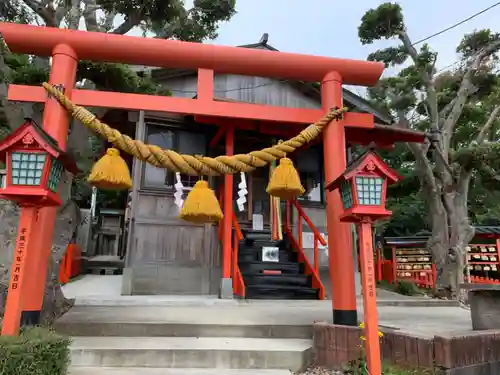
[67, 47]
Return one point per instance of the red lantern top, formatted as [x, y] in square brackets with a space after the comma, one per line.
[35, 165]
[363, 187]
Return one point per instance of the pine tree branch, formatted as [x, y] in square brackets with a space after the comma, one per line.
[44, 10]
[419, 151]
[465, 90]
[490, 171]
[426, 77]
[108, 21]
[485, 130]
[90, 15]
[132, 20]
[62, 11]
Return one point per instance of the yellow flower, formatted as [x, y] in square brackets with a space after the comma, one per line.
[362, 326]
[362, 338]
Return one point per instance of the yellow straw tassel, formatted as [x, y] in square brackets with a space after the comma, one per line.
[110, 172]
[285, 181]
[201, 205]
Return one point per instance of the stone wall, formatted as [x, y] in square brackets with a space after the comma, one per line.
[474, 353]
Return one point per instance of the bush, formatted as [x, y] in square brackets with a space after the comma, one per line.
[406, 288]
[36, 351]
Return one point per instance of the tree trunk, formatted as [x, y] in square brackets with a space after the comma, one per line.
[451, 233]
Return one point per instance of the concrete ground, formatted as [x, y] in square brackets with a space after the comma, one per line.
[98, 300]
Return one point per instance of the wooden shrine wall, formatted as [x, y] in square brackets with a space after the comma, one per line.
[166, 255]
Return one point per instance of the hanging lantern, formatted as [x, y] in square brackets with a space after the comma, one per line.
[35, 165]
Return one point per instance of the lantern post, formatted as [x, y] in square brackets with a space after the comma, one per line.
[363, 189]
[35, 165]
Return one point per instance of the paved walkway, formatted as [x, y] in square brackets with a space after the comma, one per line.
[98, 300]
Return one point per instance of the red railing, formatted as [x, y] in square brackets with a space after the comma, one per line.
[70, 263]
[297, 244]
[238, 282]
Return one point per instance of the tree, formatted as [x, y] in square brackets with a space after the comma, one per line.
[167, 19]
[459, 111]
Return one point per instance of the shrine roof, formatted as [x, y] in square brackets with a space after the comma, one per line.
[422, 238]
[388, 134]
[310, 89]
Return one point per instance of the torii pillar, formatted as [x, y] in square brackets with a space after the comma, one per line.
[340, 250]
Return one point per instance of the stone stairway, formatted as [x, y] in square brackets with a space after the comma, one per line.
[283, 278]
[149, 340]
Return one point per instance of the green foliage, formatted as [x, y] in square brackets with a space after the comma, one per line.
[408, 215]
[391, 56]
[474, 42]
[406, 288]
[36, 351]
[24, 71]
[385, 22]
[170, 19]
[118, 77]
[15, 11]
[414, 94]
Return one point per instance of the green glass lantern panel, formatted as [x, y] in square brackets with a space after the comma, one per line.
[369, 190]
[55, 175]
[3, 180]
[346, 194]
[27, 168]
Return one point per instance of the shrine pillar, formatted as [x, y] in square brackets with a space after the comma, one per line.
[226, 287]
[340, 253]
[56, 124]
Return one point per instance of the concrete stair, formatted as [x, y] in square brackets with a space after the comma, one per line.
[175, 341]
[191, 352]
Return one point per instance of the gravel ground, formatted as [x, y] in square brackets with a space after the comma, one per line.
[319, 371]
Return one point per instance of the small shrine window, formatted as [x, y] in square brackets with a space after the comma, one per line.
[3, 178]
[346, 194]
[27, 168]
[310, 167]
[184, 142]
[369, 190]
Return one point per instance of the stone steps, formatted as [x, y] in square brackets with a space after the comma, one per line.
[192, 352]
[166, 329]
[170, 371]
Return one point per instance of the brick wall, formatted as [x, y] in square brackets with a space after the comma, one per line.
[469, 354]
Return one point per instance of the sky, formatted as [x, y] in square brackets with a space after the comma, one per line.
[330, 28]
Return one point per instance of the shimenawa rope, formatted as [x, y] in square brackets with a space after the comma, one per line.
[194, 165]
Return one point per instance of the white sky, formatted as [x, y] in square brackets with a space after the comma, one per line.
[329, 28]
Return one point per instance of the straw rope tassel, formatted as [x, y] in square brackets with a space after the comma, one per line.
[201, 205]
[111, 172]
[285, 181]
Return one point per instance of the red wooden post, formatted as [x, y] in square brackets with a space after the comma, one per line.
[226, 289]
[394, 265]
[379, 265]
[55, 123]
[316, 253]
[369, 297]
[299, 230]
[18, 286]
[340, 257]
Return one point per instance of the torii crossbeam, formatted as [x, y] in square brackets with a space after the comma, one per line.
[67, 47]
